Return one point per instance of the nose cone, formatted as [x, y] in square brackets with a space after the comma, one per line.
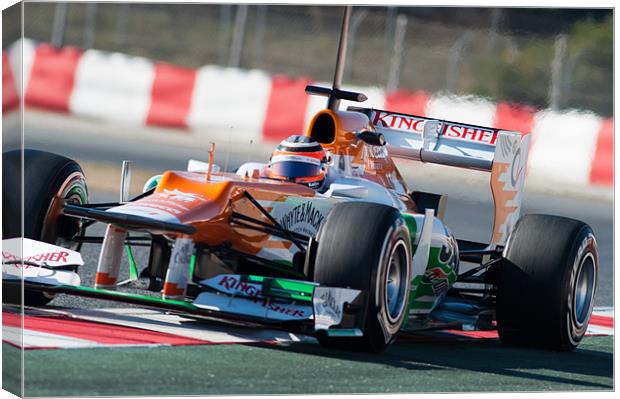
[165, 206]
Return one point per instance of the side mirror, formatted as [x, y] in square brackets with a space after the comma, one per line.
[430, 136]
[372, 138]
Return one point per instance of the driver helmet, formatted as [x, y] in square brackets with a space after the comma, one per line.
[299, 159]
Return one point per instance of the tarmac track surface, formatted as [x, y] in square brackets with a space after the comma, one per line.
[483, 365]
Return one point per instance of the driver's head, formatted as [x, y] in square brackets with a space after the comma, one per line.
[299, 159]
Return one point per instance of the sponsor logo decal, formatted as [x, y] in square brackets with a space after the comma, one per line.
[438, 279]
[441, 276]
[329, 307]
[305, 217]
[57, 256]
[183, 254]
[180, 196]
[395, 121]
[279, 308]
[486, 136]
[447, 254]
[233, 284]
[193, 176]
[177, 274]
[416, 125]
[171, 202]
[328, 304]
[295, 158]
[516, 168]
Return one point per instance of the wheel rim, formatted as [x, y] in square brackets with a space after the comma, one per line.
[73, 190]
[584, 290]
[395, 282]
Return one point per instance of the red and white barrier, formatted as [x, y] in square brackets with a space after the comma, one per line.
[564, 146]
[289, 94]
[112, 86]
[171, 96]
[602, 169]
[227, 100]
[52, 78]
[10, 96]
[218, 103]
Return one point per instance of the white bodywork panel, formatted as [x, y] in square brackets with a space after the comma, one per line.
[250, 167]
[328, 304]
[420, 258]
[360, 189]
[253, 307]
[501, 152]
[40, 253]
[194, 165]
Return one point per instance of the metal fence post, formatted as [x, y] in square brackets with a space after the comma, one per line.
[567, 76]
[225, 12]
[122, 20]
[356, 21]
[90, 21]
[397, 56]
[59, 26]
[555, 88]
[456, 58]
[496, 18]
[390, 28]
[238, 34]
[261, 23]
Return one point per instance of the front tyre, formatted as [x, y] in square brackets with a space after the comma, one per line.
[49, 181]
[367, 247]
[547, 283]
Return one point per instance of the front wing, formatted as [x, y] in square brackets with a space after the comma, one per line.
[293, 305]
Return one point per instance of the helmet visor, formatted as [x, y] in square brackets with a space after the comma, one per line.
[292, 169]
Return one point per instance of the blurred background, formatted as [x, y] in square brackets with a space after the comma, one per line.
[547, 58]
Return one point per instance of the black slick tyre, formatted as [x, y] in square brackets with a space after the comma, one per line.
[547, 283]
[49, 179]
[367, 246]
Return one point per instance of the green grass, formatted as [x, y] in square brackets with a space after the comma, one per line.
[11, 369]
[239, 369]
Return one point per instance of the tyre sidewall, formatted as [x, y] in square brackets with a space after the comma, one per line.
[584, 245]
[354, 245]
[47, 176]
[537, 282]
[378, 307]
[72, 187]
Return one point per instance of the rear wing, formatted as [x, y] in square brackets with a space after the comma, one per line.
[501, 152]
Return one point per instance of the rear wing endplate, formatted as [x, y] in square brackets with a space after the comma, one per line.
[501, 152]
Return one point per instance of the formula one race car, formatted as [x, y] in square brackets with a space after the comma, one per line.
[352, 263]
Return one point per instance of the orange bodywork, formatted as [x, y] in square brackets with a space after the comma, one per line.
[346, 124]
[211, 203]
[376, 163]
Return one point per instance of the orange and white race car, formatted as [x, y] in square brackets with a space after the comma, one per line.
[324, 239]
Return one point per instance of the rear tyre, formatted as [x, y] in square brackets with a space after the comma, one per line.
[547, 283]
[49, 180]
[367, 247]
